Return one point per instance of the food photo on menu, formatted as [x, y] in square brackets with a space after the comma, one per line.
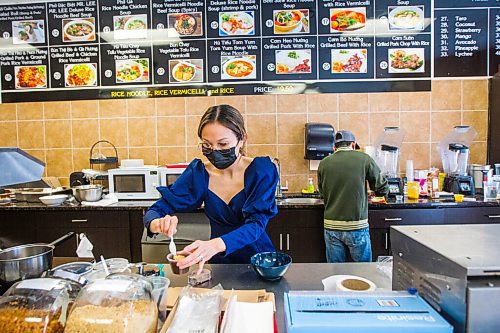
[81, 29]
[28, 77]
[347, 19]
[406, 18]
[186, 70]
[291, 21]
[80, 75]
[186, 24]
[293, 61]
[130, 26]
[235, 67]
[403, 60]
[32, 32]
[236, 23]
[349, 61]
[132, 70]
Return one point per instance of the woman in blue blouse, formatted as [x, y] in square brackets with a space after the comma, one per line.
[238, 192]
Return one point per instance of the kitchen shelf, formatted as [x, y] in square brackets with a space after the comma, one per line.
[107, 160]
[101, 177]
[110, 161]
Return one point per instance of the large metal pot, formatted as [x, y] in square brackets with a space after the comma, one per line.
[27, 261]
[87, 192]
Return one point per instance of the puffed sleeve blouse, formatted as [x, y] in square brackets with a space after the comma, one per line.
[241, 222]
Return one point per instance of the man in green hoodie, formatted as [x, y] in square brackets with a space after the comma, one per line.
[342, 179]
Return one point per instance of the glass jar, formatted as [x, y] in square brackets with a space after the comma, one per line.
[119, 303]
[36, 305]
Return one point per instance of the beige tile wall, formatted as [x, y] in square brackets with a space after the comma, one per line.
[164, 130]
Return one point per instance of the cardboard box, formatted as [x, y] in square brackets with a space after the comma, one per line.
[251, 296]
[56, 261]
[377, 312]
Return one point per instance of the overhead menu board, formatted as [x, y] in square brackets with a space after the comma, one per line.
[93, 49]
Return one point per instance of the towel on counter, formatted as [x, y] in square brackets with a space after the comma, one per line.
[107, 200]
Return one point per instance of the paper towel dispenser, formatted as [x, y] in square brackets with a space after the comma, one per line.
[318, 140]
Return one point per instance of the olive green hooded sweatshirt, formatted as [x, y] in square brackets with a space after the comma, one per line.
[342, 179]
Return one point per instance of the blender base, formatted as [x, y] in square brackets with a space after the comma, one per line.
[395, 187]
[459, 185]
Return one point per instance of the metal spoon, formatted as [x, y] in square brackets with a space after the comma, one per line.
[171, 246]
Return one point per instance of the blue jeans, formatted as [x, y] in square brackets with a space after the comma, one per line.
[357, 242]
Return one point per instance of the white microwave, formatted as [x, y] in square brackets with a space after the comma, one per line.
[134, 183]
[169, 174]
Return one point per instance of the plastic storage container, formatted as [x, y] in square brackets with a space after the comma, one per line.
[120, 303]
[73, 271]
[115, 265]
[36, 305]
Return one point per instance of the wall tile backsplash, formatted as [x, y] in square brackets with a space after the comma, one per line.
[165, 130]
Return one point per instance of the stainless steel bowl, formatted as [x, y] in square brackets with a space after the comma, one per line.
[87, 192]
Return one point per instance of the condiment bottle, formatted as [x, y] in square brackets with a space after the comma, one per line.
[310, 186]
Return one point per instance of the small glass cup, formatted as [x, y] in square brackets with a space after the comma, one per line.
[399, 198]
[159, 293]
[490, 190]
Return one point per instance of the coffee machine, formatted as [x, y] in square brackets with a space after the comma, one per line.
[388, 146]
[454, 151]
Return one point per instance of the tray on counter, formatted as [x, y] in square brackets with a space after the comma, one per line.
[33, 194]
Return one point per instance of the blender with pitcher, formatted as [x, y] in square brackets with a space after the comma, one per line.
[454, 151]
[388, 146]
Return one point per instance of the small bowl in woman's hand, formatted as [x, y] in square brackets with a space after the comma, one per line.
[173, 260]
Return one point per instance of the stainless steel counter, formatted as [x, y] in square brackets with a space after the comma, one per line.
[455, 268]
[298, 277]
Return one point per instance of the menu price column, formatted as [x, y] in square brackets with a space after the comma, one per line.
[461, 43]
[494, 41]
[443, 42]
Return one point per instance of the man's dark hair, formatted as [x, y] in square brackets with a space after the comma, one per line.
[343, 144]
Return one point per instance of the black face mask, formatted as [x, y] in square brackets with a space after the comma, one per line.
[222, 159]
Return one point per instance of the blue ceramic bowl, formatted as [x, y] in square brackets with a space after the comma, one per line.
[271, 265]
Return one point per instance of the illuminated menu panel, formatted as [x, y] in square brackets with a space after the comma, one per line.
[94, 49]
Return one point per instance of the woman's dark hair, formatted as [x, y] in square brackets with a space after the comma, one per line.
[227, 116]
